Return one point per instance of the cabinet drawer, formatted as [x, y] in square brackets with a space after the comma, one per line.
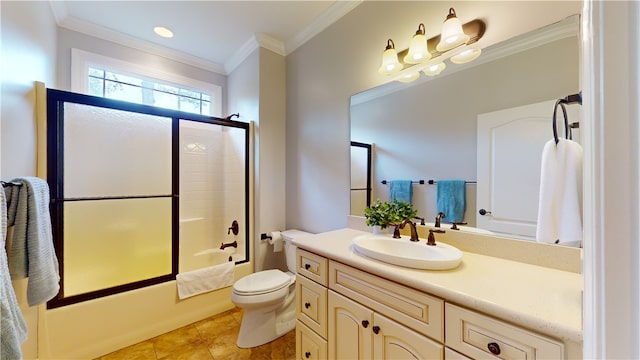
[309, 345]
[454, 355]
[479, 336]
[311, 305]
[312, 266]
[414, 309]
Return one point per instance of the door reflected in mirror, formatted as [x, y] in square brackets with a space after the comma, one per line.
[428, 130]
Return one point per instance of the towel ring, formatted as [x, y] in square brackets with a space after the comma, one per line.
[567, 129]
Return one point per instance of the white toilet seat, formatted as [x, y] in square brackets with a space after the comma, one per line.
[262, 282]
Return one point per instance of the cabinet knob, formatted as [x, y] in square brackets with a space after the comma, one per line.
[307, 266]
[494, 348]
[376, 329]
[307, 354]
[365, 323]
[307, 305]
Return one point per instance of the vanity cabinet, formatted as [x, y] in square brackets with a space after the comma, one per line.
[480, 336]
[357, 332]
[347, 313]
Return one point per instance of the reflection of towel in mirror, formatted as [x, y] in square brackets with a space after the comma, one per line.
[13, 330]
[450, 199]
[400, 190]
[31, 252]
[560, 202]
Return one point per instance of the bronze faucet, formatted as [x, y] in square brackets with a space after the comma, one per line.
[440, 216]
[412, 226]
[431, 240]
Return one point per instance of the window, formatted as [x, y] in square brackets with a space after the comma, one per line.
[102, 76]
[112, 85]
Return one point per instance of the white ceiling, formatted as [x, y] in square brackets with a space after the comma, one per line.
[215, 35]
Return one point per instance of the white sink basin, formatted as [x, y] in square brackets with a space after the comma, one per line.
[403, 252]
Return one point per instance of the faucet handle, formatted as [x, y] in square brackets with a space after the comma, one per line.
[431, 240]
[455, 225]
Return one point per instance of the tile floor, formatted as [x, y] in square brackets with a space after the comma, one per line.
[213, 338]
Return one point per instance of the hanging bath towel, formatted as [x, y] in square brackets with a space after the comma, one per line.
[560, 202]
[400, 190]
[32, 253]
[451, 199]
[13, 330]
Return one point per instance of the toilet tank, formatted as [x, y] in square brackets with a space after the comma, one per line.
[289, 248]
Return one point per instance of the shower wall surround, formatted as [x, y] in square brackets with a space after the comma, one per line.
[212, 196]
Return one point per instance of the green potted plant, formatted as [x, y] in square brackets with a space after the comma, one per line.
[388, 213]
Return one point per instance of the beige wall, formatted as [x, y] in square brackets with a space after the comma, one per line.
[28, 55]
[256, 91]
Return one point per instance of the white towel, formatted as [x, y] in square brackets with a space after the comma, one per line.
[200, 281]
[560, 202]
[31, 252]
[13, 330]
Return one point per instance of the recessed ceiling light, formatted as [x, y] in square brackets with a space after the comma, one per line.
[163, 31]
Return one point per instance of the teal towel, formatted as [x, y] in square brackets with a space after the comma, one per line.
[400, 190]
[451, 199]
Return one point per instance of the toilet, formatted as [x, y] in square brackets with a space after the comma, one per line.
[267, 299]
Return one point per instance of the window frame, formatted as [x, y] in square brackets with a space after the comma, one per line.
[82, 60]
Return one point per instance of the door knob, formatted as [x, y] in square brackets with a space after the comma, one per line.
[376, 329]
[307, 354]
[483, 212]
[307, 305]
[365, 323]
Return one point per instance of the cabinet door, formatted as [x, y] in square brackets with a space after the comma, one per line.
[394, 341]
[349, 329]
[309, 345]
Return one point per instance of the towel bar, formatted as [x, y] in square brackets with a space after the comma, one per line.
[421, 182]
[10, 183]
[431, 182]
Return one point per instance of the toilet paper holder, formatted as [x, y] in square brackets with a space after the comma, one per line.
[264, 236]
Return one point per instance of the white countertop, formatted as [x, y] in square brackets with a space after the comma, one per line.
[545, 300]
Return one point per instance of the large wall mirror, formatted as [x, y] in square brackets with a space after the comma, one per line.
[428, 130]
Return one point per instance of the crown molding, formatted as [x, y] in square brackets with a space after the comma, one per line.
[59, 10]
[64, 20]
[324, 20]
[560, 30]
[336, 11]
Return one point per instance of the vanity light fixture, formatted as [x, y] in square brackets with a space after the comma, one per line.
[465, 55]
[428, 55]
[409, 77]
[418, 48]
[390, 63]
[163, 31]
[452, 35]
[435, 69]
